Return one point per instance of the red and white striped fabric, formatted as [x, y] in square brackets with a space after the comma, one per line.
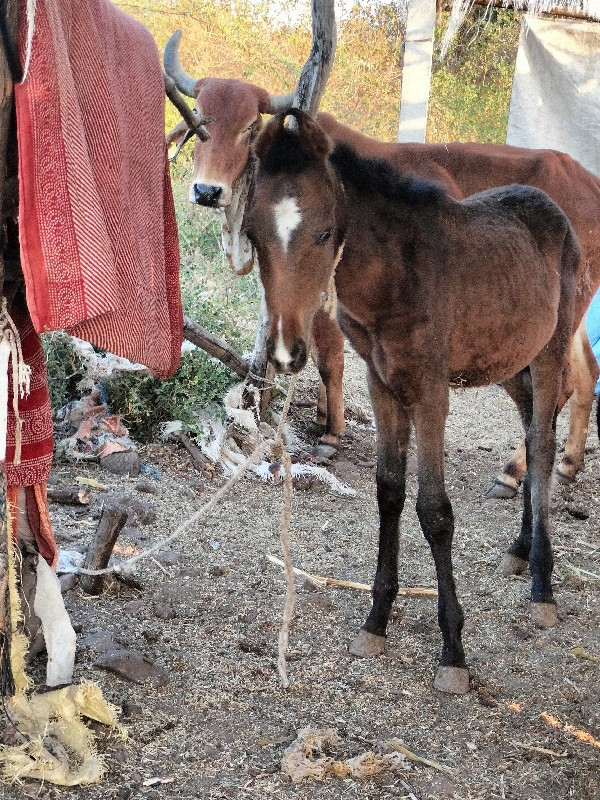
[97, 225]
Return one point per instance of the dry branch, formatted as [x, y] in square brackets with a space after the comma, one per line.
[194, 121]
[214, 346]
[394, 744]
[320, 580]
[112, 521]
[69, 495]
[197, 456]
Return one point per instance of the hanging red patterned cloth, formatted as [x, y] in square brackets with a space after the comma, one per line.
[98, 235]
[99, 246]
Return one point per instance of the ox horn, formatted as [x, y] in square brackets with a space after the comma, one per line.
[281, 102]
[184, 82]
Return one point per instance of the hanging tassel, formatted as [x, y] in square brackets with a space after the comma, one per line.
[10, 345]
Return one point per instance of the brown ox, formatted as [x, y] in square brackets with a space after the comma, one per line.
[431, 292]
[236, 108]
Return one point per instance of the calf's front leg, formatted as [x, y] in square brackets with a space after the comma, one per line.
[393, 433]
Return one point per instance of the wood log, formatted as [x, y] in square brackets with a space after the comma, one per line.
[110, 525]
[69, 495]
[214, 346]
[199, 460]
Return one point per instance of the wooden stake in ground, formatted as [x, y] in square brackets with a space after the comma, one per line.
[111, 523]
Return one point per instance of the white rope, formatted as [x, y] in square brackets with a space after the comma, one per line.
[31, 8]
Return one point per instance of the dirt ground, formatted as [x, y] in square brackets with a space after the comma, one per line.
[208, 611]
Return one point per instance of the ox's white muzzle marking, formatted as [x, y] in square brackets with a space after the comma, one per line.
[287, 218]
[282, 355]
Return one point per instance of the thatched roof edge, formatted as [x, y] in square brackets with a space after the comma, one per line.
[579, 8]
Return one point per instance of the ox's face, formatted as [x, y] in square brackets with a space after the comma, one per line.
[234, 109]
[295, 222]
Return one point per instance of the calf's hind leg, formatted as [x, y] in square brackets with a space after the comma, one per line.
[393, 433]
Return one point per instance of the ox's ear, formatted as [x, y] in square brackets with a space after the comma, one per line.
[266, 136]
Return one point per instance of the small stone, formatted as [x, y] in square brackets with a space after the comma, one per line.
[100, 641]
[141, 512]
[146, 486]
[68, 581]
[130, 709]
[124, 463]
[133, 606]
[164, 611]
[132, 666]
[577, 512]
[218, 571]
[168, 557]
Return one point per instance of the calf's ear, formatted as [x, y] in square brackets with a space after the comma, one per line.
[314, 140]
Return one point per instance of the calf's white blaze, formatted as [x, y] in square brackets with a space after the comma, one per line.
[287, 218]
[282, 354]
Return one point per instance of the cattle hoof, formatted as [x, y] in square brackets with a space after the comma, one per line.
[511, 565]
[454, 680]
[367, 645]
[322, 450]
[502, 490]
[316, 429]
[544, 615]
[563, 477]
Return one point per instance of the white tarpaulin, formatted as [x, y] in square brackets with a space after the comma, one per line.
[556, 89]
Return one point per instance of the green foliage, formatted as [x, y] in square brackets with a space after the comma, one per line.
[63, 365]
[145, 403]
[470, 90]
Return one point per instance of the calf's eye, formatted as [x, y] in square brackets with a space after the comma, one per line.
[322, 238]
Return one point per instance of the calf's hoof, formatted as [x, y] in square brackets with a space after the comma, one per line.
[454, 680]
[323, 450]
[367, 645]
[544, 615]
[511, 565]
[502, 489]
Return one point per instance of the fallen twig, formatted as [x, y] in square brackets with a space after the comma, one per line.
[320, 580]
[541, 750]
[396, 745]
[583, 573]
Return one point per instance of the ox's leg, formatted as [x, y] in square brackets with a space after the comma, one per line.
[434, 511]
[583, 377]
[515, 560]
[328, 349]
[506, 483]
[393, 433]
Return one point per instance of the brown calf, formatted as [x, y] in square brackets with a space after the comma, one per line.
[432, 292]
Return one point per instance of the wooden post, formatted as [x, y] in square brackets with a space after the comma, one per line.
[416, 70]
[110, 525]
